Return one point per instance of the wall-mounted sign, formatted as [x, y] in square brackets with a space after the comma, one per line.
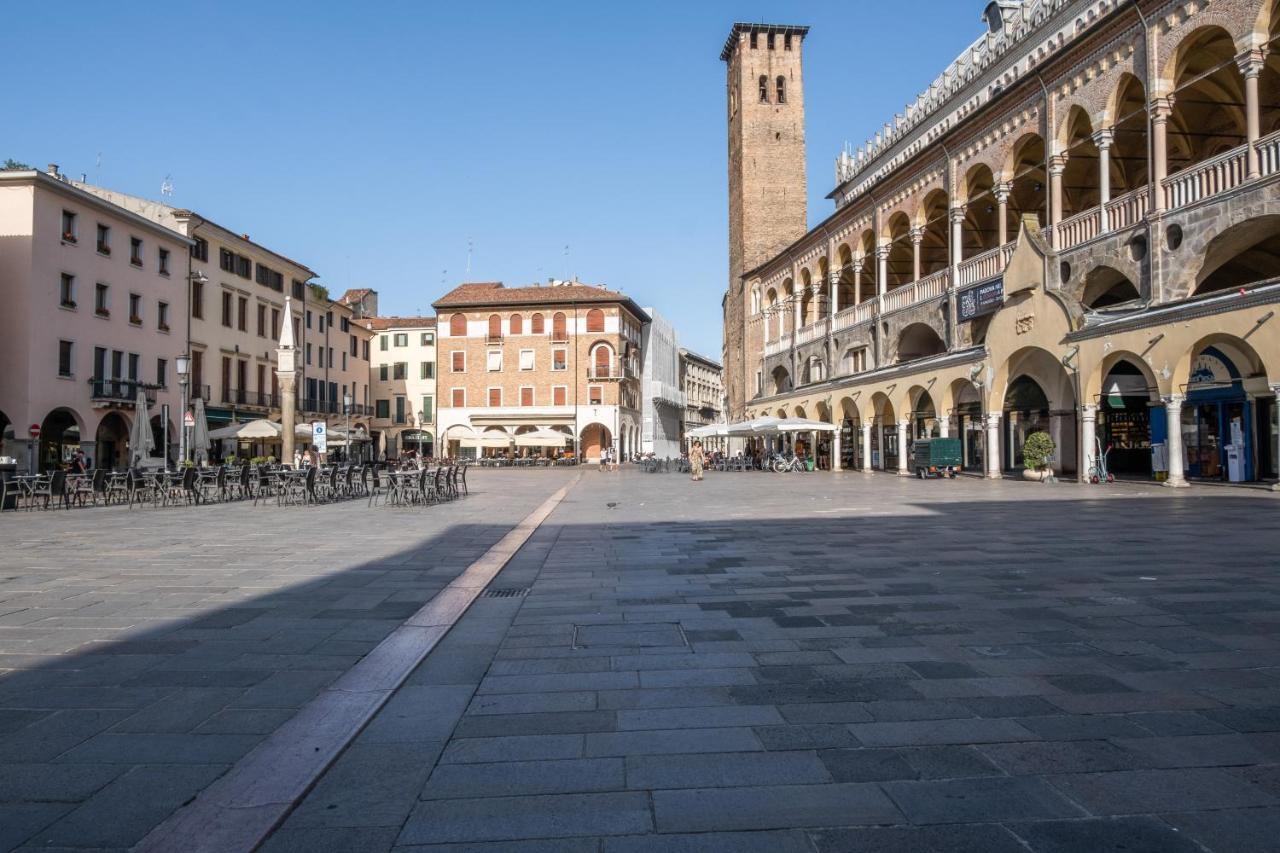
[979, 300]
[320, 437]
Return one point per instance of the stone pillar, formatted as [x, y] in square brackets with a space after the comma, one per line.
[1002, 193]
[993, 448]
[833, 281]
[1088, 436]
[857, 282]
[1275, 389]
[1177, 456]
[917, 237]
[1103, 140]
[288, 414]
[957, 235]
[1250, 64]
[798, 317]
[1161, 109]
[944, 426]
[835, 449]
[903, 424]
[882, 268]
[867, 427]
[1057, 165]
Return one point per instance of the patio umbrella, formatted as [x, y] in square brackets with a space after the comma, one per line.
[756, 426]
[708, 431]
[542, 438]
[141, 442]
[260, 428]
[200, 433]
[803, 425]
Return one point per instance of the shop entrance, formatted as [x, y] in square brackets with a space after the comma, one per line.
[850, 445]
[1217, 421]
[1026, 410]
[1124, 421]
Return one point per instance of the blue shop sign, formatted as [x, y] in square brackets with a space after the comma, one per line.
[979, 300]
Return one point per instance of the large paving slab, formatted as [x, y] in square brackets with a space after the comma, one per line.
[852, 663]
[145, 652]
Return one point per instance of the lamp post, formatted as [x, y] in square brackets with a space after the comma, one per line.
[184, 376]
[422, 421]
[346, 411]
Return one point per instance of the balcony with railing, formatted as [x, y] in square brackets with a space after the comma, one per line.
[120, 392]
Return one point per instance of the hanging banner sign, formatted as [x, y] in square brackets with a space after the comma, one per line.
[320, 437]
[980, 300]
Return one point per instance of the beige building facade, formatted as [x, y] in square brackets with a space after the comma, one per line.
[1074, 230]
[513, 360]
[94, 307]
[702, 380]
[403, 384]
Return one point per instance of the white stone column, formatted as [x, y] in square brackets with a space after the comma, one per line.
[1250, 64]
[866, 427]
[882, 268]
[944, 426]
[1275, 389]
[993, 448]
[835, 449]
[1161, 109]
[1002, 193]
[798, 317]
[957, 235]
[833, 280]
[903, 424]
[1177, 455]
[1103, 140]
[1088, 436]
[1057, 166]
[917, 237]
[857, 282]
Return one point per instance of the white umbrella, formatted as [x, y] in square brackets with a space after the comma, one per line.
[542, 438]
[804, 425]
[141, 442]
[260, 428]
[200, 434]
[708, 431]
[756, 426]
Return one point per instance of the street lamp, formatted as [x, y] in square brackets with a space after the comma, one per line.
[184, 376]
[346, 410]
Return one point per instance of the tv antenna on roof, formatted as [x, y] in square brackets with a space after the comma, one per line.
[166, 186]
[470, 245]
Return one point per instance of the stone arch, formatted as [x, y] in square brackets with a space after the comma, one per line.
[1024, 412]
[593, 439]
[844, 288]
[919, 340]
[799, 412]
[981, 230]
[1024, 171]
[808, 313]
[1080, 186]
[1246, 359]
[1243, 254]
[815, 370]
[787, 322]
[897, 235]
[1127, 121]
[61, 431]
[1208, 114]
[781, 379]
[932, 218]
[111, 440]
[882, 409]
[1095, 383]
[1105, 286]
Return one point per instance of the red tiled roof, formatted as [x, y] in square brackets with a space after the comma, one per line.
[380, 324]
[478, 294]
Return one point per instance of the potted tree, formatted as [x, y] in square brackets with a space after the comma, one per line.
[1036, 453]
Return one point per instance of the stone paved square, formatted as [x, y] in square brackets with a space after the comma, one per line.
[754, 662]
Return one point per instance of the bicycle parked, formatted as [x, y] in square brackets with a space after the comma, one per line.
[784, 464]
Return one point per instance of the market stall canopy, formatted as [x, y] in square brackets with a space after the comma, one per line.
[542, 438]
[708, 431]
[756, 426]
[258, 429]
[803, 425]
[489, 440]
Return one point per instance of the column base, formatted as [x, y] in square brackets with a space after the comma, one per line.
[1275, 487]
[993, 475]
[1176, 484]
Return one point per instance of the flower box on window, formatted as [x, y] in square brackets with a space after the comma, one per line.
[68, 237]
[68, 303]
[104, 249]
[164, 327]
[135, 319]
[103, 312]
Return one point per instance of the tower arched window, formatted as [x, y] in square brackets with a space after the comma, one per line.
[558, 332]
[517, 324]
[495, 326]
[536, 326]
[603, 361]
[782, 90]
[458, 325]
[764, 89]
[595, 320]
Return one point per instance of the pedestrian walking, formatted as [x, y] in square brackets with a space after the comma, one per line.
[695, 460]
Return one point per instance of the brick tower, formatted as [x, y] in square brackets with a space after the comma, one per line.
[767, 192]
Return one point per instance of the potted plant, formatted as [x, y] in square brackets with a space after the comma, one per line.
[1036, 453]
[230, 459]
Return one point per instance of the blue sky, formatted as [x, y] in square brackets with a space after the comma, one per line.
[374, 142]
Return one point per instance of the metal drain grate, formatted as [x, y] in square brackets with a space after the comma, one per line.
[511, 592]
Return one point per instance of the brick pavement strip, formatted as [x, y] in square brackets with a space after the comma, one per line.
[827, 663]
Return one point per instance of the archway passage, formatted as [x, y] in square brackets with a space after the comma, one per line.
[1081, 176]
[1026, 411]
[981, 231]
[900, 266]
[924, 417]
[1228, 433]
[919, 340]
[1124, 419]
[1105, 287]
[1129, 157]
[595, 438]
[1027, 179]
[970, 428]
[1208, 106]
[934, 239]
[59, 438]
[112, 440]
[1243, 254]
[781, 380]
[884, 446]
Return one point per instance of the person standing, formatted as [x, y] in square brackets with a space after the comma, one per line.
[696, 459]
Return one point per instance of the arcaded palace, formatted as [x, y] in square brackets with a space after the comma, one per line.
[1075, 229]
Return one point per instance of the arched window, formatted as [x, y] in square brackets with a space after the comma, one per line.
[603, 361]
[495, 326]
[536, 326]
[764, 89]
[517, 324]
[782, 90]
[458, 326]
[558, 332]
[595, 320]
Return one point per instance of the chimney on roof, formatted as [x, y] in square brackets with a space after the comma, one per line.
[53, 170]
